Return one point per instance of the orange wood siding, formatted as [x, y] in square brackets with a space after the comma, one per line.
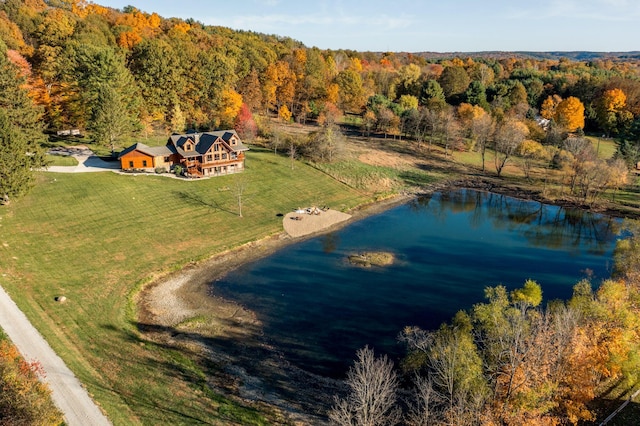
[135, 160]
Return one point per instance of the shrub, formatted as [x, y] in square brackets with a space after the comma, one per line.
[23, 398]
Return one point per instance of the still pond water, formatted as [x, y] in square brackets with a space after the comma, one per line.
[318, 309]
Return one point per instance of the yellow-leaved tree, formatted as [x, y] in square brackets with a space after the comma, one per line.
[284, 114]
[229, 107]
[570, 114]
[549, 105]
[614, 100]
[610, 110]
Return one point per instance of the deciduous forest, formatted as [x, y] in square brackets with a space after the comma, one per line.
[123, 75]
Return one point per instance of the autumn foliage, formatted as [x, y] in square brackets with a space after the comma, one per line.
[24, 400]
[245, 125]
[570, 113]
[206, 73]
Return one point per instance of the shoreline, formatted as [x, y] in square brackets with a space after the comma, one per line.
[180, 309]
[200, 275]
[231, 336]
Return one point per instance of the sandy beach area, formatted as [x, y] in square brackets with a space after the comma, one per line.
[312, 220]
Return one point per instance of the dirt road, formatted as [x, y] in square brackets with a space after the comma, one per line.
[67, 391]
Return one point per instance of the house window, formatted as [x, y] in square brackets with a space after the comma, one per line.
[166, 159]
[224, 156]
[144, 163]
[209, 157]
[216, 147]
[234, 155]
[217, 157]
[233, 141]
[131, 164]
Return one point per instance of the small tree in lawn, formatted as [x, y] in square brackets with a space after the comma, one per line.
[293, 151]
[240, 185]
[482, 127]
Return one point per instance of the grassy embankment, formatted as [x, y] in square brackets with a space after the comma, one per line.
[96, 238]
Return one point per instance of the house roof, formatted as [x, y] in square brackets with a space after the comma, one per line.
[204, 141]
[155, 151]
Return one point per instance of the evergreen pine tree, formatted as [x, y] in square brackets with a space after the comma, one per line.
[20, 134]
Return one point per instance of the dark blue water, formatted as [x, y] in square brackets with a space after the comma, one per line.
[318, 309]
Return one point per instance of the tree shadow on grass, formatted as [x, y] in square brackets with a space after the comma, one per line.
[240, 366]
[416, 178]
[199, 201]
[187, 365]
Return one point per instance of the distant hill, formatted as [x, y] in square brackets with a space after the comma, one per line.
[576, 55]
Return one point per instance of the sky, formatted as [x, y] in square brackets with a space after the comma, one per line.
[422, 25]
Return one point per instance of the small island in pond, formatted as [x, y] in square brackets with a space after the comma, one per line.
[372, 258]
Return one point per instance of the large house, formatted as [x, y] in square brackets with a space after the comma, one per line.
[198, 154]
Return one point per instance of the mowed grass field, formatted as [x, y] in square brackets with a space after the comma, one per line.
[96, 238]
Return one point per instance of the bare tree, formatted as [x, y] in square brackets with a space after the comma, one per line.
[240, 184]
[583, 165]
[450, 129]
[482, 128]
[434, 122]
[293, 152]
[275, 141]
[373, 393]
[423, 409]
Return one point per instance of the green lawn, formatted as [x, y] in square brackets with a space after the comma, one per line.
[379, 179]
[61, 160]
[96, 237]
[605, 148]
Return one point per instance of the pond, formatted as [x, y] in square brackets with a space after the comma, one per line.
[318, 309]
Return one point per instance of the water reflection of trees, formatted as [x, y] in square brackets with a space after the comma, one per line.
[542, 225]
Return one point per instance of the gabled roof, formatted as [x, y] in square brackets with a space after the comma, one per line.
[239, 145]
[155, 151]
[204, 142]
